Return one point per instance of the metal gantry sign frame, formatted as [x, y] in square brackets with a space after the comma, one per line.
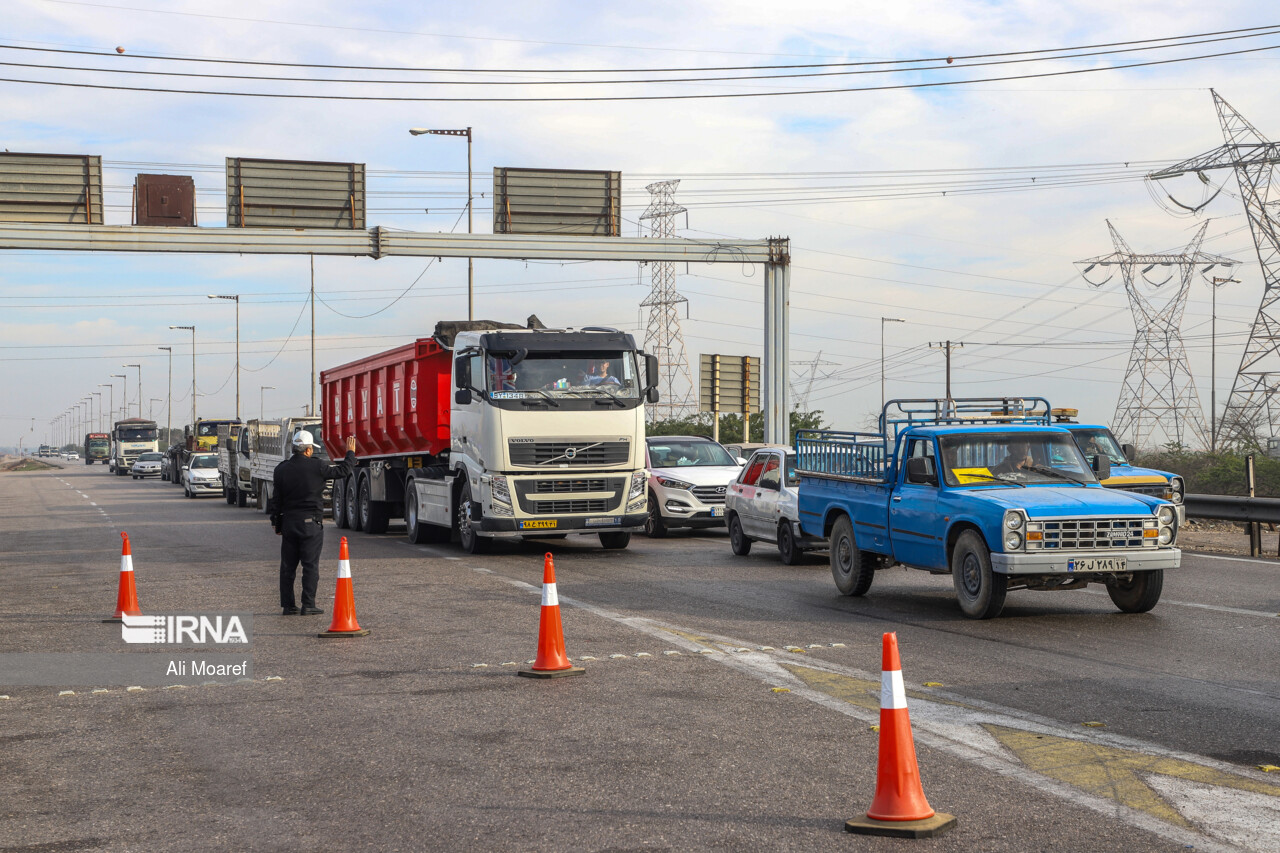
[773, 253]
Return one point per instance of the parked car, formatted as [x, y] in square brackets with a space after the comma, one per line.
[200, 475]
[688, 478]
[169, 464]
[147, 465]
[763, 504]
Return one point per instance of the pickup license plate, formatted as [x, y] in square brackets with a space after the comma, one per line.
[717, 511]
[538, 525]
[1097, 564]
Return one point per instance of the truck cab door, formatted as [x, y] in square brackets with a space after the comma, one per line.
[915, 528]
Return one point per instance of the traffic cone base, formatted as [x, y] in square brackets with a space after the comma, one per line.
[551, 673]
[360, 633]
[344, 622]
[127, 594]
[927, 828]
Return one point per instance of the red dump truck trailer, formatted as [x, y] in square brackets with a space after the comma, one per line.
[487, 431]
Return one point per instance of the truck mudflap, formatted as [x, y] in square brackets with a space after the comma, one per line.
[520, 527]
[1085, 562]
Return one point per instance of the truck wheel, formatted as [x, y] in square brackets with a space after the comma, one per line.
[421, 533]
[228, 496]
[615, 541]
[654, 525]
[242, 497]
[349, 498]
[851, 569]
[787, 547]
[1138, 594]
[340, 504]
[470, 540]
[979, 590]
[262, 498]
[373, 514]
[739, 542]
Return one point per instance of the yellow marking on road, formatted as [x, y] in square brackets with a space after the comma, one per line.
[855, 691]
[695, 638]
[1115, 773]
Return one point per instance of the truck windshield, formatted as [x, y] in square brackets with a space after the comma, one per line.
[1094, 441]
[207, 429]
[565, 374]
[99, 443]
[1026, 458]
[137, 433]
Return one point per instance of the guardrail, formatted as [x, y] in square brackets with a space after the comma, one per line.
[1234, 508]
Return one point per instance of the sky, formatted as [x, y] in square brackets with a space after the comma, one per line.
[959, 209]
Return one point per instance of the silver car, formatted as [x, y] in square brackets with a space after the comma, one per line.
[763, 504]
[147, 465]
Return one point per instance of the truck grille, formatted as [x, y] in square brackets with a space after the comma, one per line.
[710, 494]
[1091, 533]
[568, 507]
[551, 487]
[578, 454]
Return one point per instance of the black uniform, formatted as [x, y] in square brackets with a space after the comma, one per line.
[297, 512]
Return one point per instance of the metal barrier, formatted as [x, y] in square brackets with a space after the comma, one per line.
[1234, 508]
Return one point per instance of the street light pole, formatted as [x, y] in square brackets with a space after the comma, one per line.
[168, 406]
[124, 399]
[262, 409]
[139, 366]
[471, 271]
[236, 299]
[98, 420]
[884, 320]
[111, 399]
[192, 330]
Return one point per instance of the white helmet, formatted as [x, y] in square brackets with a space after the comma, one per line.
[302, 439]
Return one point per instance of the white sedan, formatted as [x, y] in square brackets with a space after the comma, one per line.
[764, 504]
[200, 475]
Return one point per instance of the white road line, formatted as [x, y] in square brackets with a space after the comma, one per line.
[1221, 608]
[1235, 559]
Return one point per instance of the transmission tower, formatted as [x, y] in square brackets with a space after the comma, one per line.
[1158, 403]
[802, 383]
[663, 337]
[1253, 410]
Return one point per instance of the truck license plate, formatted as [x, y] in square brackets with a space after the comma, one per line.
[538, 525]
[1097, 564]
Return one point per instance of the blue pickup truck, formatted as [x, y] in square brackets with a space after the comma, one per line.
[1096, 438]
[989, 491]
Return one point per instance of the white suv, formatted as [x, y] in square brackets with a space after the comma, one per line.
[688, 478]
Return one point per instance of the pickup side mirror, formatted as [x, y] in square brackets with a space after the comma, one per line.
[1130, 452]
[920, 471]
[1102, 466]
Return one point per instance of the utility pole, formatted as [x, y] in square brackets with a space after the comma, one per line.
[312, 412]
[168, 406]
[235, 299]
[471, 270]
[948, 346]
[192, 330]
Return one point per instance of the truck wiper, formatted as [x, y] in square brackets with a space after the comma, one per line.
[612, 396]
[552, 400]
[999, 480]
[1054, 472]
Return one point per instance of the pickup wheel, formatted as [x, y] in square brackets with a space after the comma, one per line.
[739, 542]
[654, 525]
[851, 569]
[468, 537]
[979, 590]
[788, 549]
[340, 504]
[615, 541]
[1138, 594]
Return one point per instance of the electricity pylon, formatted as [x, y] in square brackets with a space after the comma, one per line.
[1253, 410]
[1158, 403]
[663, 337]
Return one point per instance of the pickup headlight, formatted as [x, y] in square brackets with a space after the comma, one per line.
[1013, 520]
[1176, 490]
[1165, 515]
[638, 479]
[672, 483]
[1012, 540]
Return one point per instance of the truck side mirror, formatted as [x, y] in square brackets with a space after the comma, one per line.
[920, 471]
[462, 396]
[651, 375]
[462, 373]
[1130, 452]
[1102, 466]
[651, 395]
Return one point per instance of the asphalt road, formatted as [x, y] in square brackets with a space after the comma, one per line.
[1063, 725]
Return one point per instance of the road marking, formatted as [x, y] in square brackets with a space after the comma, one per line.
[1235, 559]
[1220, 608]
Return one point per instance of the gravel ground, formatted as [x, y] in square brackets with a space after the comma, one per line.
[1225, 537]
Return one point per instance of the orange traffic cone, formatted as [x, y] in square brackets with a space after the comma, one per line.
[344, 601]
[127, 596]
[551, 661]
[899, 808]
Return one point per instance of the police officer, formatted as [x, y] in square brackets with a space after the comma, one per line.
[297, 513]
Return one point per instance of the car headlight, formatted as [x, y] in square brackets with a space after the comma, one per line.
[672, 483]
[1013, 520]
[1177, 490]
[638, 480]
[1012, 540]
[498, 489]
[1166, 515]
[1166, 535]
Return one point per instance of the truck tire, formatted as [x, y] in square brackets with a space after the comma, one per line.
[851, 569]
[468, 537]
[229, 496]
[242, 497]
[262, 497]
[788, 548]
[421, 533]
[340, 504]
[373, 514]
[739, 542]
[654, 525]
[979, 590]
[615, 541]
[353, 506]
[1138, 594]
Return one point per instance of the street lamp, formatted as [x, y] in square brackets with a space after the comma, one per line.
[98, 422]
[192, 330]
[262, 411]
[236, 299]
[471, 277]
[139, 366]
[884, 320]
[124, 400]
[151, 411]
[168, 408]
[111, 399]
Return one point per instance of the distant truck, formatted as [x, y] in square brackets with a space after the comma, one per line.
[268, 444]
[97, 447]
[230, 468]
[488, 430]
[988, 491]
[130, 438]
[200, 437]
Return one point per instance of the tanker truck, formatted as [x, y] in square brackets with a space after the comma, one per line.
[489, 431]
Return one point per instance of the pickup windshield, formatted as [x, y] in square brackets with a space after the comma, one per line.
[602, 374]
[1095, 441]
[1025, 458]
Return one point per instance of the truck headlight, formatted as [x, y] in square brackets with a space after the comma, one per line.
[672, 483]
[1012, 540]
[1166, 515]
[498, 489]
[1176, 491]
[1013, 520]
[638, 480]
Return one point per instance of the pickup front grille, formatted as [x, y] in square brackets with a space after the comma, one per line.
[711, 495]
[569, 454]
[1078, 534]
